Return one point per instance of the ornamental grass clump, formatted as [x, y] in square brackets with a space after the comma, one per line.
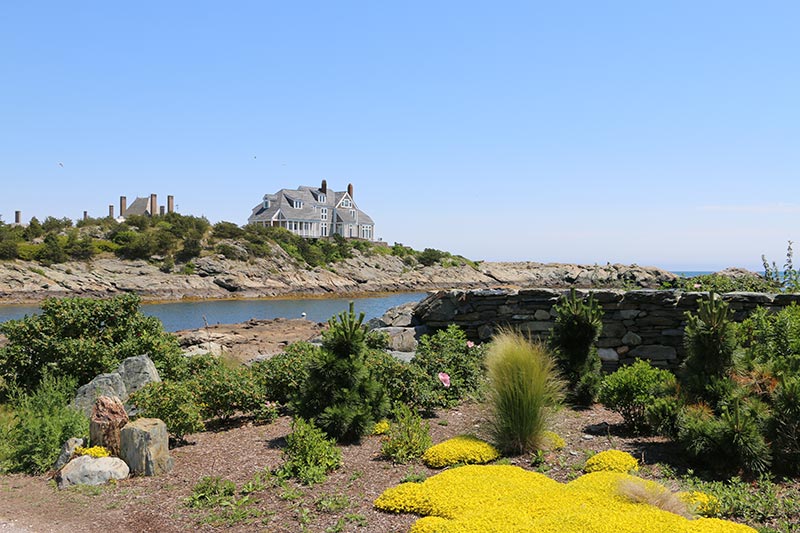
[509, 499]
[611, 461]
[464, 449]
[523, 390]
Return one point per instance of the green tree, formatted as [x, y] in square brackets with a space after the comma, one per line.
[51, 251]
[340, 394]
[577, 327]
[34, 230]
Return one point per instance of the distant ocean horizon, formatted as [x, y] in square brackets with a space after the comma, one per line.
[692, 273]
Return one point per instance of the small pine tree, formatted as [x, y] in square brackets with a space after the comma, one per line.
[710, 340]
[577, 327]
[340, 394]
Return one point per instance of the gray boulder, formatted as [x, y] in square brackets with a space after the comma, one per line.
[67, 450]
[86, 470]
[103, 385]
[403, 339]
[145, 447]
[136, 372]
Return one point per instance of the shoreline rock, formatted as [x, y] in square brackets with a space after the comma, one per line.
[215, 277]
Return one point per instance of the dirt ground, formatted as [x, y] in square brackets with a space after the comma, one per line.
[157, 504]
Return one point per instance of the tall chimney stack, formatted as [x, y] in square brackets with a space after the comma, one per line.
[123, 205]
[170, 204]
[110, 210]
[350, 189]
[324, 187]
[153, 205]
[17, 217]
[161, 209]
[85, 215]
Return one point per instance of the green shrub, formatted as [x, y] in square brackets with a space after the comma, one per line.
[174, 403]
[578, 325]
[662, 415]
[710, 340]
[340, 395]
[84, 337]
[524, 387]
[406, 382]
[44, 421]
[408, 436]
[786, 425]
[449, 351]
[309, 456]
[632, 389]
[52, 251]
[283, 374]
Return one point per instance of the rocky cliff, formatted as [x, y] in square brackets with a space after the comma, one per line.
[280, 275]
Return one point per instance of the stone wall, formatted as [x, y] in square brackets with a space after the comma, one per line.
[646, 324]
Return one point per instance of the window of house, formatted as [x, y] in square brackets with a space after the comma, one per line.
[266, 204]
[346, 203]
[323, 230]
[298, 204]
[353, 213]
[322, 198]
[323, 213]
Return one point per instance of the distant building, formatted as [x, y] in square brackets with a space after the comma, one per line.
[314, 212]
[147, 206]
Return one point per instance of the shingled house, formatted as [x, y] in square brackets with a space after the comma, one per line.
[314, 212]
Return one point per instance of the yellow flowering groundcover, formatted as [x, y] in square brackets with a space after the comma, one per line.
[509, 499]
[701, 503]
[381, 428]
[464, 449]
[94, 451]
[552, 441]
[611, 461]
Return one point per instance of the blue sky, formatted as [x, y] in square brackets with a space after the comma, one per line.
[659, 133]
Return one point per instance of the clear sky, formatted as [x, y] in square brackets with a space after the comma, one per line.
[657, 133]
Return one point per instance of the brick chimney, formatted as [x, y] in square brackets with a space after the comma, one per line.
[123, 205]
[324, 187]
[350, 189]
[85, 215]
[161, 210]
[17, 217]
[170, 204]
[153, 205]
[110, 210]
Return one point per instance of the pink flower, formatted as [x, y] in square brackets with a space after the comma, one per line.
[470, 344]
[445, 379]
[697, 285]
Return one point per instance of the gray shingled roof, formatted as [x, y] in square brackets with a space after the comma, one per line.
[138, 207]
[284, 200]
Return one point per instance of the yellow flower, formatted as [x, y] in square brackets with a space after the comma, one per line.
[381, 428]
[94, 451]
[611, 461]
[552, 441]
[463, 449]
[509, 499]
[701, 503]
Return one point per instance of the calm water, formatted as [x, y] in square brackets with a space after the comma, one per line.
[192, 315]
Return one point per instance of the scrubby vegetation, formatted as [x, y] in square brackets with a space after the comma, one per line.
[174, 238]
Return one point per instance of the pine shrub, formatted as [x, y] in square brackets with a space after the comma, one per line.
[173, 402]
[340, 394]
[578, 325]
[710, 340]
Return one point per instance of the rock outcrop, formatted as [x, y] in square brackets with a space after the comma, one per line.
[131, 375]
[217, 277]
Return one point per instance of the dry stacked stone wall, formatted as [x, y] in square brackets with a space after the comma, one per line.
[644, 324]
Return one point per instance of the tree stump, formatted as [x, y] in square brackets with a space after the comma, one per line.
[108, 419]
